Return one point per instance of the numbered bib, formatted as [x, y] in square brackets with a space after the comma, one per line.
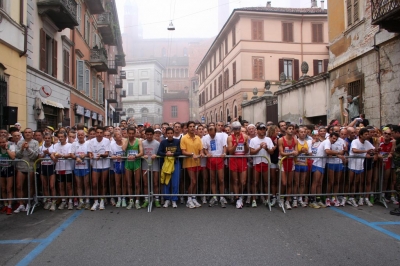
[240, 148]
[213, 145]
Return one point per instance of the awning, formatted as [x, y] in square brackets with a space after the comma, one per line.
[52, 103]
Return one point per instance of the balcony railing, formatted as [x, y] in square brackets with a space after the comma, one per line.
[118, 109]
[98, 59]
[105, 25]
[118, 83]
[122, 74]
[386, 13]
[112, 67]
[120, 58]
[61, 12]
[112, 97]
[95, 6]
[122, 94]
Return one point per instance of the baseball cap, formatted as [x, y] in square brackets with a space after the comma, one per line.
[157, 130]
[140, 125]
[260, 126]
[251, 125]
[17, 124]
[51, 128]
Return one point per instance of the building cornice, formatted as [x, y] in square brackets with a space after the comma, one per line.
[302, 83]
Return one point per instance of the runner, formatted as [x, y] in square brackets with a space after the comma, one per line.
[7, 153]
[117, 152]
[47, 174]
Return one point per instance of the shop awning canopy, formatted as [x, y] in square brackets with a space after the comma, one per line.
[52, 103]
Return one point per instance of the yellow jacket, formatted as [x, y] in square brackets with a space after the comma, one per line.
[167, 169]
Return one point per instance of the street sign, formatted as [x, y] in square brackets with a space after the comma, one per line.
[203, 119]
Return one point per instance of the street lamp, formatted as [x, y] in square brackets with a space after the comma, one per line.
[171, 26]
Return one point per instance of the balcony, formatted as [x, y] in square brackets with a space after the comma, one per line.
[120, 60]
[118, 109]
[122, 94]
[386, 14]
[118, 83]
[61, 12]
[112, 97]
[98, 59]
[112, 67]
[95, 6]
[106, 28]
[122, 74]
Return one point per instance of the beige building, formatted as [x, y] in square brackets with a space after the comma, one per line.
[364, 52]
[257, 44]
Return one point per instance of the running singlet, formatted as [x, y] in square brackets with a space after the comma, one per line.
[4, 160]
[301, 159]
[240, 144]
[288, 162]
[386, 148]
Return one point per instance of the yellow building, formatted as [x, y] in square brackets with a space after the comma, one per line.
[13, 47]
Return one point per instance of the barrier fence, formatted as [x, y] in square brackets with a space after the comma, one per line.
[240, 180]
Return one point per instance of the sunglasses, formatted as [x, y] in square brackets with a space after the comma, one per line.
[236, 128]
[389, 134]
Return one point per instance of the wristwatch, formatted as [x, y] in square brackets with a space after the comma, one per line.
[192, 154]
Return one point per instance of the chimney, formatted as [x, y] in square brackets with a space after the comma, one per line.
[269, 4]
[313, 3]
[322, 4]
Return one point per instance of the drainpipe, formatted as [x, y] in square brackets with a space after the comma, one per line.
[301, 40]
[378, 77]
[21, 22]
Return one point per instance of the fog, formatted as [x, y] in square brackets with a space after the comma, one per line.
[191, 18]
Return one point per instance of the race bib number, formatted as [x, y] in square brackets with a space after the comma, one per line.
[47, 161]
[301, 158]
[288, 150]
[314, 150]
[385, 156]
[132, 153]
[240, 148]
[119, 153]
[83, 161]
[4, 162]
[213, 145]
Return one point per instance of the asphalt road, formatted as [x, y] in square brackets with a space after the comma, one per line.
[203, 236]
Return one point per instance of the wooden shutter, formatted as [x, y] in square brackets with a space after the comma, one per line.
[66, 66]
[234, 72]
[355, 11]
[54, 63]
[254, 30]
[290, 32]
[42, 50]
[206, 94]
[260, 70]
[199, 99]
[326, 62]
[260, 30]
[254, 70]
[227, 79]
[233, 36]
[296, 69]
[314, 33]
[215, 87]
[80, 74]
[87, 79]
[315, 67]
[100, 92]
[349, 16]
[211, 91]
[317, 35]
[280, 67]
[226, 46]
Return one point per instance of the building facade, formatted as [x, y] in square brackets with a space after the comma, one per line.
[255, 45]
[364, 50]
[13, 46]
[176, 106]
[144, 91]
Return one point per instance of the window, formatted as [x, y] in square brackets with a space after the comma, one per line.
[355, 88]
[353, 10]
[220, 84]
[87, 78]
[95, 41]
[211, 92]
[80, 74]
[144, 88]
[203, 100]
[101, 92]
[174, 111]
[215, 61]
[320, 66]
[258, 68]
[130, 89]
[226, 79]
[233, 36]
[66, 66]
[79, 14]
[87, 28]
[94, 87]
[206, 94]
[317, 33]
[290, 67]
[200, 99]
[234, 72]
[235, 111]
[257, 30]
[215, 88]
[287, 31]
[48, 54]
[220, 54]
[226, 46]
[130, 111]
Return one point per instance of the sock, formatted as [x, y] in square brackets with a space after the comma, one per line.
[300, 198]
[119, 198]
[70, 201]
[96, 201]
[137, 201]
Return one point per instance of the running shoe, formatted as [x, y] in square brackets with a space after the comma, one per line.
[113, 202]
[166, 204]
[47, 205]
[118, 204]
[368, 202]
[70, 206]
[53, 206]
[361, 202]
[262, 198]
[95, 206]
[280, 203]
[27, 208]
[9, 211]
[302, 203]
[273, 202]
[174, 204]
[62, 205]
[343, 202]
[328, 202]
[254, 204]
[287, 205]
[395, 212]
[130, 205]
[212, 202]
[137, 205]
[223, 202]
[75, 203]
[182, 200]
[162, 201]
[102, 205]
[190, 204]
[123, 203]
[247, 203]
[321, 204]
[352, 202]
[196, 203]
[204, 200]
[239, 203]
[314, 205]
[294, 204]
[394, 200]
[87, 205]
[80, 205]
[157, 204]
[146, 204]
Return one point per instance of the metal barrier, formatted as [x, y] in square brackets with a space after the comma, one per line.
[333, 179]
[16, 181]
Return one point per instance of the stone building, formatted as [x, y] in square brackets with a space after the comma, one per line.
[364, 58]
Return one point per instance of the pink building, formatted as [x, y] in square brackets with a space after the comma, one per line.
[176, 107]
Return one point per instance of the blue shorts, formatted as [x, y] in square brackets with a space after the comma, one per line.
[119, 167]
[301, 168]
[98, 170]
[81, 172]
[337, 167]
[317, 168]
[357, 171]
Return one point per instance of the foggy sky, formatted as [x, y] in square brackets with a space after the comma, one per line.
[191, 18]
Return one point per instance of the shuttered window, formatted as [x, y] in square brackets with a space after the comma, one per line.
[87, 81]
[94, 88]
[257, 30]
[287, 31]
[220, 84]
[317, 32]
[54, 58]
[353, 12]
[66, 66]
[101, 90]
[226, 79]
[258, 68]
[215, 87]
[234, 73]
[87, 28]
[42, 50]
[80, 74]
[206, 94]
[211, 91]
[290, 67]
[226, 46]
[233, 36]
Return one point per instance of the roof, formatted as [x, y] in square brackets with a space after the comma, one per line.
[315, 10]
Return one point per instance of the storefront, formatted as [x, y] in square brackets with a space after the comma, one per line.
[100, 119]
[87, 119]
[94, 119]
[79, 113]
[53, 114]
